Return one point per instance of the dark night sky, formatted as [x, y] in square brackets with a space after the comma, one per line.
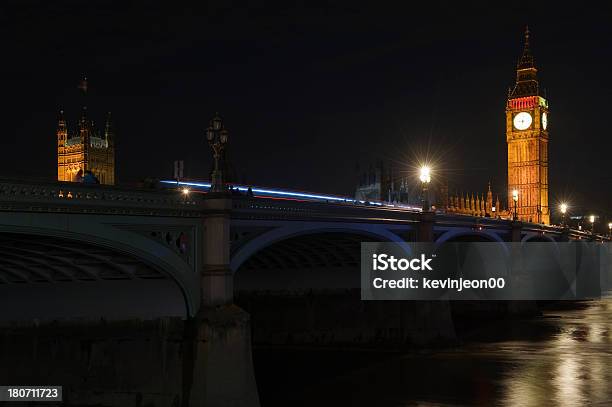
[306, 92]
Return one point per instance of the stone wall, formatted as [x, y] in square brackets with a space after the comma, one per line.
[205, 361]
[340, 318]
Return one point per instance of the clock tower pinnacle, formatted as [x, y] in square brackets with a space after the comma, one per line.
[527, 139]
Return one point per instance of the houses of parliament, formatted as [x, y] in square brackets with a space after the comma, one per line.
[83, 150]
[526, 119]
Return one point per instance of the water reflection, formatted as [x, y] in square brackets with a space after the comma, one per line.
[562, 359]
[571, 368]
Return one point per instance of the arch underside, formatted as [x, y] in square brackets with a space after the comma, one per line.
[334, 250]
[38, 259]
[309, 251]
[44, 277]
[328, 260]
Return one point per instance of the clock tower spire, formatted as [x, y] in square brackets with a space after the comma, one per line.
[526, 73]
[527, 139]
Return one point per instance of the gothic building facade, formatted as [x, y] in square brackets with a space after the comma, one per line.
[477, 205]
[84, 149]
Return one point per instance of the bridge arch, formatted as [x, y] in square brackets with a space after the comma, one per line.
[534, 237]
[461, 253]
[296, 229]
[105, 269]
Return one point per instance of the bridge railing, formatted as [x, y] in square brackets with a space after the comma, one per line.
[261, 208]
[83, 198]
[274, 209]
[76, 197]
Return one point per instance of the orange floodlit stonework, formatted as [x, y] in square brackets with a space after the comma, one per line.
[527, 139]
[85, 149]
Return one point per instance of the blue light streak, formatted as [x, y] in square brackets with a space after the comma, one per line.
[269, 192]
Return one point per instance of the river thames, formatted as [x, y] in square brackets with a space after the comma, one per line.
[562, 358]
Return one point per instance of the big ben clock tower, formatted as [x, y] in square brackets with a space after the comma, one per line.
[527, 138]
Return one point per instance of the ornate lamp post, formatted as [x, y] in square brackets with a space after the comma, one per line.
[592, 220]
[563, 209]
[217, 136]
[425, 177]
[515, 199]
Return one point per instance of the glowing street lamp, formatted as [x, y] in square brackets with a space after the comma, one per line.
[425, 174]
[609, 229]
[217, 136]
[185, 191]
[425, 177]
[592, 220]
[563, 208]
[515, 199]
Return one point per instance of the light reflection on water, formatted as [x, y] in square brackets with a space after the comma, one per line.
[562, 359]
[572, 367]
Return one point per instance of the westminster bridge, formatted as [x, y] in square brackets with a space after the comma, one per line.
[131, 287]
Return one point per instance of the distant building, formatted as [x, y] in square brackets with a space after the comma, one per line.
[384, 183]
[84, 149]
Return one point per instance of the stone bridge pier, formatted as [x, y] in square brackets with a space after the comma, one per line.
[219, 370]
[124, 298]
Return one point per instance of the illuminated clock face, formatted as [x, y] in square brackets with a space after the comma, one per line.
[522, 121]
[544, 121]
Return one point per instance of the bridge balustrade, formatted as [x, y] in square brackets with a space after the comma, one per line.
[261, 208]
[80, 198]
[71, 197]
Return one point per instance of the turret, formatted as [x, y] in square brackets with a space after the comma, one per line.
[489, 206]
[85, 137]
[84, 125]
[497, 205]
[109, 135]
[472, 206]
[62, 130]
[483, 205]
